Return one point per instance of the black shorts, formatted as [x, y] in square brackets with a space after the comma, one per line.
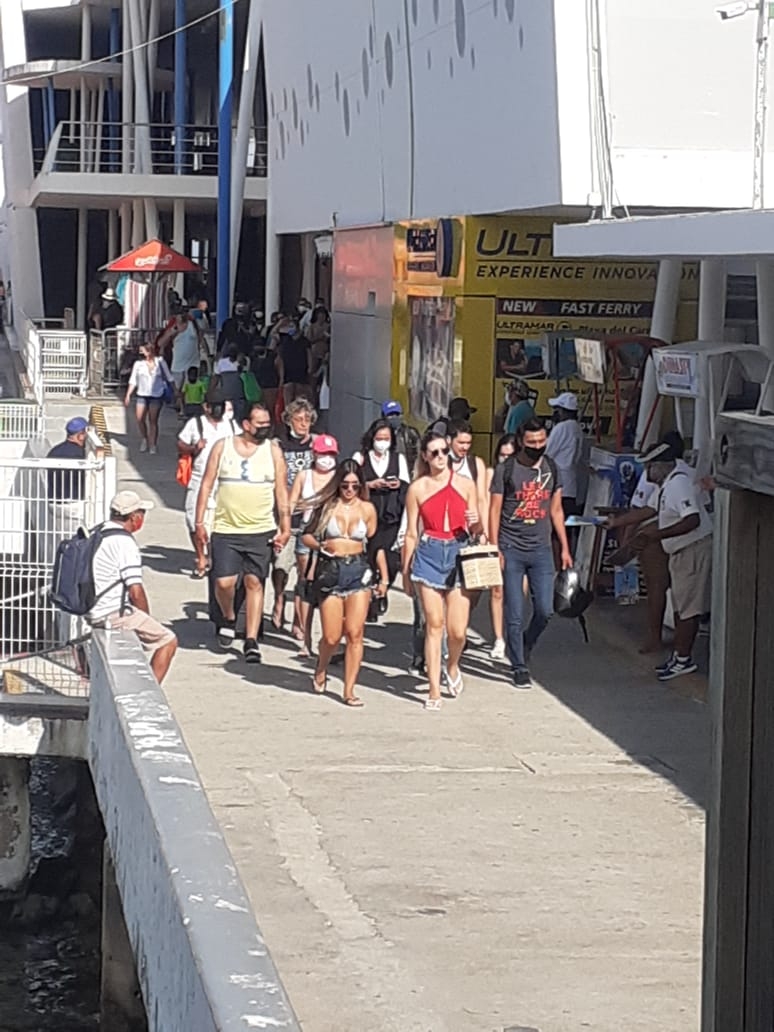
[235, 554]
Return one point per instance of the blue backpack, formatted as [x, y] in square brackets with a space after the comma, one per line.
[72, 586]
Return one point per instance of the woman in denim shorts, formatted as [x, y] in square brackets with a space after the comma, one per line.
[342, 522]
[442, 514]
[306, 486]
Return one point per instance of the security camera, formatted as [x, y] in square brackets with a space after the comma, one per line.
[735, 10]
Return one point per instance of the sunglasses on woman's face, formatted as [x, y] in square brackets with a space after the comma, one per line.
[350, 485]
[435, 452]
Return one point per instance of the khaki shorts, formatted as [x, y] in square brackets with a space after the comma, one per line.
[286, 559]
[191, 498]
[151, 633]
[691, 573]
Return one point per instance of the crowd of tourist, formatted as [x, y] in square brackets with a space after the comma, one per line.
[270, 497]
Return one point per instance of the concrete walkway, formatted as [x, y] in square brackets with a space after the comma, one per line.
[520, 860]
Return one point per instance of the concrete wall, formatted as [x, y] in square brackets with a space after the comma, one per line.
[201, 960]
[361, 331]
[438, 107]
[681, 89]
[23, 247]
[394, 109]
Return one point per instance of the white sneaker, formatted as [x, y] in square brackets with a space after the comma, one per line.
[153, 450]
[143, 446]
[498, 649]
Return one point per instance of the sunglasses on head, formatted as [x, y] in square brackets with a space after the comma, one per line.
[435, 452]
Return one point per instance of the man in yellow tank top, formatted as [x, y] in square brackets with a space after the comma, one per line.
[248, 473]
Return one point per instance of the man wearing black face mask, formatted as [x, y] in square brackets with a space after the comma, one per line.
[251, 477]
[526, 500]
[406, 437]
[196, 439]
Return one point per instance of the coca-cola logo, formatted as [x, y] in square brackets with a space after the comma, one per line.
[152, 259]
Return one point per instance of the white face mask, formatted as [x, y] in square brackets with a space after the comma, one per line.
[380, 447]
[325, 463]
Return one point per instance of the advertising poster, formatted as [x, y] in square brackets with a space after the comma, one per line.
[431, 383]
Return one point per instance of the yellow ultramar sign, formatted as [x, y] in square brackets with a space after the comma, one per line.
[507, 285]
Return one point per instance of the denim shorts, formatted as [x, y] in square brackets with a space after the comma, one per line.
[436, 563]
[339, 578]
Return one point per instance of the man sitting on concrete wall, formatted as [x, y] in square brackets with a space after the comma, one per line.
[122, 603]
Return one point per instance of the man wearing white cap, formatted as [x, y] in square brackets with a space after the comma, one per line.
[121, 601]
[564, 447]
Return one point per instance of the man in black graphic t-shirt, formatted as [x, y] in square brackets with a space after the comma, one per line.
[525, 503]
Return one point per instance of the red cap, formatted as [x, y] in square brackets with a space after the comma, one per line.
[324, 444]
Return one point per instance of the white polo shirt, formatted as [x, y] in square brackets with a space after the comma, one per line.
[680, 498]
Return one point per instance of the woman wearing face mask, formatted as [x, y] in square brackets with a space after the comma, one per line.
[387, 476]
[442, 513]
[342, 521]
[150, 375]
[506, 446]
[308, 485]
[196, 439]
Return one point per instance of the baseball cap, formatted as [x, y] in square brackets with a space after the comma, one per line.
[127, 502]
[661, 452]
[392, 408]
[566, 400]
[324, 444]
[76, 425]
[460, 408]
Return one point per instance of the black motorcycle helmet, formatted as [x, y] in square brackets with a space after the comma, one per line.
[571, 599]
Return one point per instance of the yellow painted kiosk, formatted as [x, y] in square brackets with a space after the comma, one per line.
[475, 296]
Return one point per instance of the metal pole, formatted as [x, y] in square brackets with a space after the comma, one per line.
[85, 56]
[178, 235]
[112, 235]
[761, 101]
[181, 75]
[226, 101]
[243, 130]
[127, 104]
[114, 46]
[51, 103]
[47, 130]
[80, 286]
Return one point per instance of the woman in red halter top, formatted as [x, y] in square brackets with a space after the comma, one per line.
[442, 513]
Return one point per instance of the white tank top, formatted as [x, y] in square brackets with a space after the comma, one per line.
[462, 469]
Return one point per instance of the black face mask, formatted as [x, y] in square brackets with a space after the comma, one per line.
[394, 422]
[217, 411]
[260, 434]
[533, 454]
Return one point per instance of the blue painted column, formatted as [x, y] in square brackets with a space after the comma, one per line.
[226, 103]
[114, 130]
[181, 90]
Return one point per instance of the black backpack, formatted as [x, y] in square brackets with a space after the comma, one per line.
[72, 585]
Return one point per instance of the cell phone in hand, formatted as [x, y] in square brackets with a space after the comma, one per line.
[392, 480]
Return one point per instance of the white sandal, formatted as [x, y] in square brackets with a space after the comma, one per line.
[456, 687]
[432, 704]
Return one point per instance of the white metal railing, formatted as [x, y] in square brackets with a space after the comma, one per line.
[54, 358]
[42, 502]
[30, 353]
[63, 361]
[113, 352]
[138, 147]
[20, 420]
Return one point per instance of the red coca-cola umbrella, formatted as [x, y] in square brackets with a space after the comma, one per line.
[148, 270]
[153, 256]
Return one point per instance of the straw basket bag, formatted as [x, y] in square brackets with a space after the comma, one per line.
[480, 567]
